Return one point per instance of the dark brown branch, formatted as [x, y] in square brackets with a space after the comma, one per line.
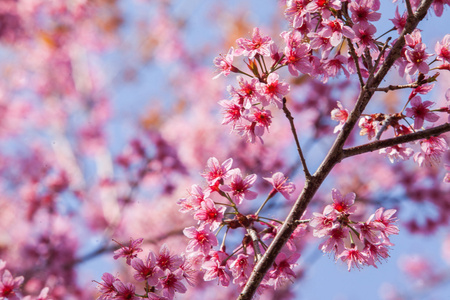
[407, 86]
[288, 114]
[334, 156]
[409, 8]
[424, 134]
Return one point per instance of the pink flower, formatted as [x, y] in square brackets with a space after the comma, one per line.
[376, 252]
[399, 21]
[147, 270]
[239, 187]
[335, 30]
[384, 222]
[335, 241]
[214, 268]
[247, 92]
[171, 283]
[225, 64]
[413, 39]
[319, 42]
[209, 214]
[363, 11]
[273, 90]
[296, 11]
[201, 239]
[341, 204]
[106, 287]
[129, 252]
[216, 171]
[248, 131]
[432, 150]
[369, 127]
[232, 112]
[282, 269]
[280, 184]
[323, 224]
[9, 285]
[368, 231]
[241, 269]
[443, 49]
[364, 37]
[354, 258]
[297, 59]
[438, 6]
[333, 66]
[419, 112]
[125, 291]
[257, 45]
[167, 261]
[261, 118]
[397, 152]
[339, 114]
[416, 59]
[194, 200]
[323, 7]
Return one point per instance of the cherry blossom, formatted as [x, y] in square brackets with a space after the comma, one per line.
[129, 252]
[339, 114]
[214, 268]
[225, 64]
[201, 239]
[257, 45]
[354, 258]
[273, 90]
[210, 214]
[282, 268]
[397, 152]
[171, 283]
[216, 171]
[443, 49]
[363, 11]
[432, 150]
[147, 270]
[416, 59]
[9, 285]
[280, 184]
[238, 188]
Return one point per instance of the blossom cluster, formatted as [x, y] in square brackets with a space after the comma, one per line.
[235, 189]
[431, 149]
[163, 274]
[357, 243]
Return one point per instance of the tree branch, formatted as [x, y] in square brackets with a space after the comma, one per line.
[334, 156]
[424, 134]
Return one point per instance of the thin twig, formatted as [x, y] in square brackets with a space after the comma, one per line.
[355, 59]
[294, 133]
[254, 236]
[377, 62]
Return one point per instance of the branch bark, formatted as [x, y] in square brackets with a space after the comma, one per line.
[334, 156]
[424, 134]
